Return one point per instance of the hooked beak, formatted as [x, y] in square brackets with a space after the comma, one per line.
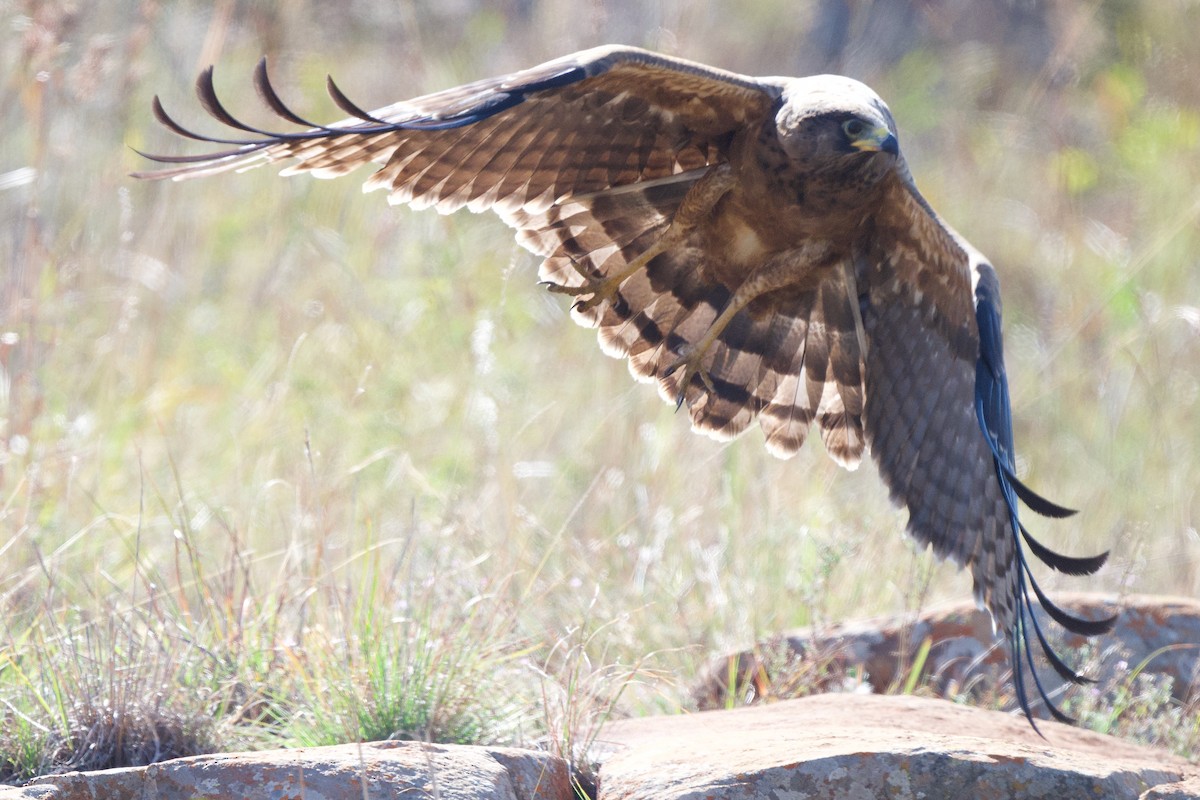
[878, 139]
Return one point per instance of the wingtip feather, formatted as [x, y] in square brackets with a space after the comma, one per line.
[1068, 565]
[1037, 503]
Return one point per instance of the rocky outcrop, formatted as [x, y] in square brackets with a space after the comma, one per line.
[1159, 634]
[867, 746]
[826, 746]
[344, 772]
[1186, 789]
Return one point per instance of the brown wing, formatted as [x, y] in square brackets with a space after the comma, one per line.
[920, 406]
[939, 426]
[582, 123]
[589, 156]
[797, 364]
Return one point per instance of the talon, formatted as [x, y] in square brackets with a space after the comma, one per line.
[769, 276]
[599, 288]
[558, 288]
[593, 284]
[692, 367]
[606, 292]
[602, 288]
[590, 281]
[697, 204]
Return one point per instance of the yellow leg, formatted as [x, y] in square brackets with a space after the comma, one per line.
[790, 268]
[602, 289]
[692, 362]
[695, 208]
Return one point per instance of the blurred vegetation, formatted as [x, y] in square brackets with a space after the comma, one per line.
[272, 453]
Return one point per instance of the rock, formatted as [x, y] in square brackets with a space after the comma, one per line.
[28, 793]
[869, 746]
[1186, 789]
[827, 746]
[1164, 632]
[343, 772]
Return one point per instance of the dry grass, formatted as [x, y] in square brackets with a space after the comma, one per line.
[266, 445]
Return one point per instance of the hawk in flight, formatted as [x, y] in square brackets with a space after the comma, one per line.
[756, 247]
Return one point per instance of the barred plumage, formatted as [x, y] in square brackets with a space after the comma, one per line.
[754, 246]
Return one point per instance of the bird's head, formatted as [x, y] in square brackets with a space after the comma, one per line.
[833, 123]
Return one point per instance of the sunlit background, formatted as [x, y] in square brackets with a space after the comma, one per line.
[262, 440]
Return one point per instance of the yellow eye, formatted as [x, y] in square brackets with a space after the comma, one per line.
[854, 128]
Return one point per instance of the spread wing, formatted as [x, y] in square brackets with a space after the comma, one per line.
[795, 365]
[939, 426]
[589, 156]
[579, 124]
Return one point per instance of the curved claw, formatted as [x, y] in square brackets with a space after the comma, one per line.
[604, 287]
[596, 299]
[600, 289]
[692, 367]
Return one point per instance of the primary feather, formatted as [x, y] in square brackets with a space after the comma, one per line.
[754, 246]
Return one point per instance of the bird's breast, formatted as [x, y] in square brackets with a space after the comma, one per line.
[743, 244]
[735, 244]
[741, 238]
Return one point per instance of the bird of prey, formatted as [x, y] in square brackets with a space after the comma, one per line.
[757, 248]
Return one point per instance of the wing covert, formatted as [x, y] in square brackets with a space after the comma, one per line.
[753, 273]
[579, 124]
